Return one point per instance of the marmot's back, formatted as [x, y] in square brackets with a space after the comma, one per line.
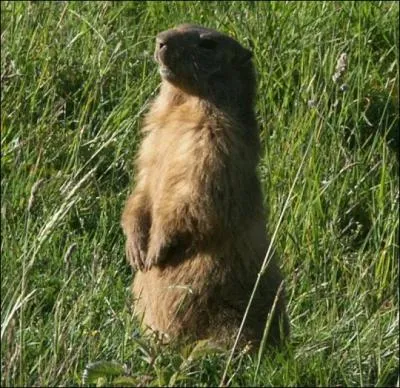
[195, 223]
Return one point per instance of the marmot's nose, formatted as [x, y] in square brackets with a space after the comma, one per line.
[166, 38]
[160, 43]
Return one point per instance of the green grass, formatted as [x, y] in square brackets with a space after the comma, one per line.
[75, 80]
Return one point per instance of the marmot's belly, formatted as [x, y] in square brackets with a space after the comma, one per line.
[163, 307]
[177, 300]
[167, 303]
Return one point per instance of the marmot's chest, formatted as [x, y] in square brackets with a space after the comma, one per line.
[187, 157]
[186, 144]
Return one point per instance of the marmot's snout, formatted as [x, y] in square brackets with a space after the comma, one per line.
[163, 57]
[166, 53]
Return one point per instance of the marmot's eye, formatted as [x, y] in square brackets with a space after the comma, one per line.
[208, 44]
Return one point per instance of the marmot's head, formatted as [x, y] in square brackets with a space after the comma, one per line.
[203, 62]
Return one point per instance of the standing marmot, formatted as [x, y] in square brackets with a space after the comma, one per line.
[195, 223]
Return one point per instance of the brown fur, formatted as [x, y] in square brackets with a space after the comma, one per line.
[195, 224]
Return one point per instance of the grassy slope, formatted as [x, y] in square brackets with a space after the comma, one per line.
[76, 78]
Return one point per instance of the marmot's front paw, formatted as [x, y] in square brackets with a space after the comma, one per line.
[135, 252]
[158, 248]
[155, 255]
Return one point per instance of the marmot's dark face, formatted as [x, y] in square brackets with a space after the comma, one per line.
[204, 62]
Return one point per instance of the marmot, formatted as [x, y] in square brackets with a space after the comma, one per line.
[195, 224]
